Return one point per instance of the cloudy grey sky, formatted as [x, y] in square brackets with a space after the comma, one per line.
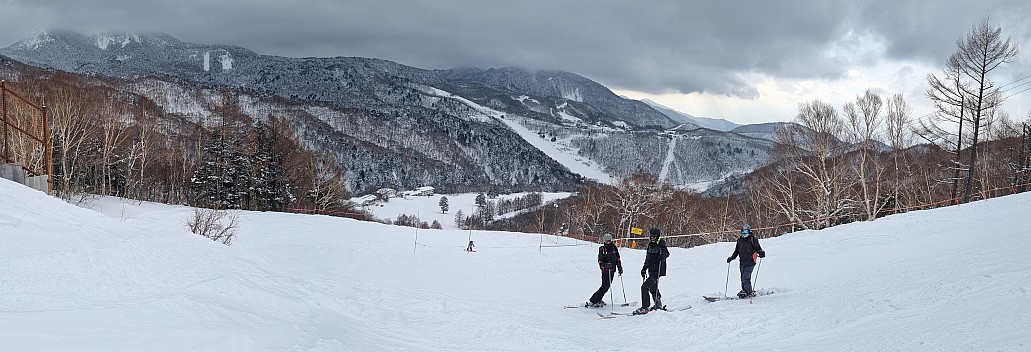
[746, 61]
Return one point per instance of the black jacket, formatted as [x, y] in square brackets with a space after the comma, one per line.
[608, 258]
[655, 260]
[746, 246]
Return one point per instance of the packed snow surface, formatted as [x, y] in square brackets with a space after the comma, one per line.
[126, 276]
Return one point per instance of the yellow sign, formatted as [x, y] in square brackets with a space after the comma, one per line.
[636, 231]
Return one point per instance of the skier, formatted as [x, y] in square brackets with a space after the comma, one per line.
[654, 267]
[748, 248]
[608, 261]
[470, 247]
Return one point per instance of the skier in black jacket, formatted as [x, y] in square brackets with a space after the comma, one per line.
[608, 261]
[748, 248]
[654, 267]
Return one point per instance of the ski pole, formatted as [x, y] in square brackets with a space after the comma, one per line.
[756, 280]
[726, 285]
[757, 266]
[624, 290]
[612, 307]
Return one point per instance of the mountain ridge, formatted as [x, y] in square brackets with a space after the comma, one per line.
[577, 115]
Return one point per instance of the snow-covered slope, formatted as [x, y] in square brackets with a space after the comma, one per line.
[74, 279]
[565, 156]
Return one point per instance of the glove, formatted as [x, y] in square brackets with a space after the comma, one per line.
[762, 254]
[730, 259]
[620, 271]
[643, 270]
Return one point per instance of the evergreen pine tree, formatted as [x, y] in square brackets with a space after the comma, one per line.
[443, 205]
[270, 188]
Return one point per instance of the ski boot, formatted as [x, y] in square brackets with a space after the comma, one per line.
[658, 305]
[742, 294]
[595, 305]
[640, 311]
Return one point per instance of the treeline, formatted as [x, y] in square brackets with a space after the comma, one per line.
[109, 141]
[487, 211]
[838, 166]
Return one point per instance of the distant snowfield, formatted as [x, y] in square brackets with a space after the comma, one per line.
[128, 277]
[427, 208]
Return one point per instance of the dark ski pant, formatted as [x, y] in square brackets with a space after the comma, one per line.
[746, 278]
[606, 281]
[650, 288]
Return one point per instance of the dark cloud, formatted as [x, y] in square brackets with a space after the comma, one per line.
[645, 45]
[928, 30]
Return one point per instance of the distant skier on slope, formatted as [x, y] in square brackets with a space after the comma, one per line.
[654, 267]
[748, 248]
[608, 261]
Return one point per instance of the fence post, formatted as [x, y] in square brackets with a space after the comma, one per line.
[48, 141]
[3, 119]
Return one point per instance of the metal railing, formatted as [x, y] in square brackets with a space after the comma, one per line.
[25, 134]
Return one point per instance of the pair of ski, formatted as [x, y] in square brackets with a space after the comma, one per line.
[726, 298]
[664, 308]
[634, 303]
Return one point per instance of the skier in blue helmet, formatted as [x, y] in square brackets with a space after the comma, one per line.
[748, 248]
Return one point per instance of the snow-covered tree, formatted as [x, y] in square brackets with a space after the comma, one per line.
[443, 204]
[222, 181]
[270, 186]
[460, 219]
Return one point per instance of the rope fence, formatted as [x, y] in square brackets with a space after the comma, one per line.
[984, 194]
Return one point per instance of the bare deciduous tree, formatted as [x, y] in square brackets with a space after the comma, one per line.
[949, 99]
[978, 53]
[864, 122]
[897, 122]
[326, 188]
[808, 150]
[636, 196]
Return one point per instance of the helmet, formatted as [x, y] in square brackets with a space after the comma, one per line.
[746, 230]
[654, 232]
[607, 237]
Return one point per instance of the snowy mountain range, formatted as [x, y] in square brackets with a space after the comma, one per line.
[706, 122]
[393, 125]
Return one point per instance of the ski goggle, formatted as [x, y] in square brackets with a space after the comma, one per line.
[746, 232]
